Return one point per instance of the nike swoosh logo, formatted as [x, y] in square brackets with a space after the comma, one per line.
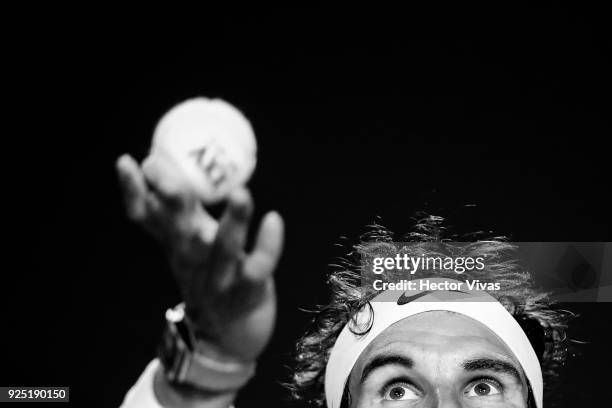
[403, 299]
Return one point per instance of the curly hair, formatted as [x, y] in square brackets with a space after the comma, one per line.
[532, 308]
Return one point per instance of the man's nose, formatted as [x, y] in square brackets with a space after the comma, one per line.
[445, 398]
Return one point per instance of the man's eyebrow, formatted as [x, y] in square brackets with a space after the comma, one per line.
[383, 360]
[492, 364]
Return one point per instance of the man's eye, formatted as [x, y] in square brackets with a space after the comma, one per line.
[400, 392]
[483, 388]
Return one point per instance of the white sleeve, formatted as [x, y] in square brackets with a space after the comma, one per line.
[141, 395]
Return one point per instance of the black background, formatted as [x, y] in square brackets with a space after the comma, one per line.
[359, 119]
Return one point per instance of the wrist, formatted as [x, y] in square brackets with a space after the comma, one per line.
[231, 338]
[190, 362]
[170, 394]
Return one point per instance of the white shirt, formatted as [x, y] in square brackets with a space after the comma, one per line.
[141, 395]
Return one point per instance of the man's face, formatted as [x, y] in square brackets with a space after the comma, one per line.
[437, 359]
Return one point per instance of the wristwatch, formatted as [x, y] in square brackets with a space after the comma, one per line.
[189, 361]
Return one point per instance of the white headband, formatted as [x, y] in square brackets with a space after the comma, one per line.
[389, 309]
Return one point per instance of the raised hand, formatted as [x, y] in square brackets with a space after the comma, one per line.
[229, 293]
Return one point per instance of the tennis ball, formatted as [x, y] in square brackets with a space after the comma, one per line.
[213, 144]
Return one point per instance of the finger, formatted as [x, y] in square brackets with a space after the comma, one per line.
[134, 187]
[268, 247]
[228, 248]
[172, 198]
[234, 223]
[167, 180]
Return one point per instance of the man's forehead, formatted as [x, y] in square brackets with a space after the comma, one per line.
[441, 332]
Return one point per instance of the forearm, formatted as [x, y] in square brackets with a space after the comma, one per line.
[153, 390]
